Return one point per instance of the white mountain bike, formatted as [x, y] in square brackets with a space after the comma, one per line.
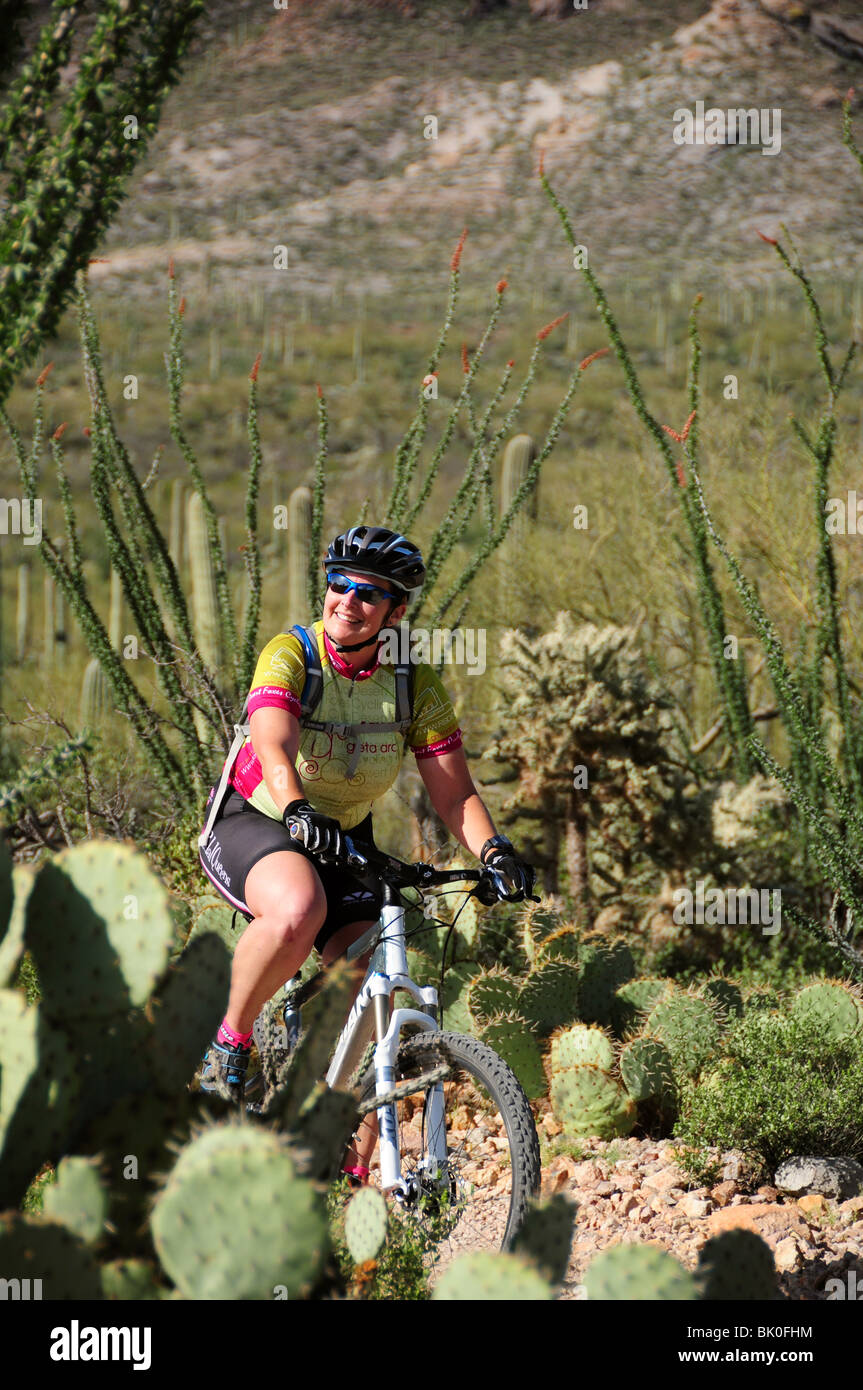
[458, 1147]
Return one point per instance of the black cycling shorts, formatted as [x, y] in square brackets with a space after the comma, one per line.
[242, 835]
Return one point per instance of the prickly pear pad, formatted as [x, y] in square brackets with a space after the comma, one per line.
[78, 1199]
[38, 1089]
[366, 1224]
[100, 929]
[629, 1273]
[235, 1221]
[12, 943]
[484, 1277]
[44, 1250]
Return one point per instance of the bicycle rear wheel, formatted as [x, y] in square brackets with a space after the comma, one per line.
[493, 1165]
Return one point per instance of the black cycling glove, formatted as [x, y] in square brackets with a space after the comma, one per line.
[318, 833]
[512, 878]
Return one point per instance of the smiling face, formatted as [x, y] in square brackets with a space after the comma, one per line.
[348, 619]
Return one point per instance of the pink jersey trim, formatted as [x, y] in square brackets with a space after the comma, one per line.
[341, 667]
[274, 697]
[247, 772]
[444, 745]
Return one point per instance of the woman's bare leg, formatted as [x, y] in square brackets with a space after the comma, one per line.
[287, 897]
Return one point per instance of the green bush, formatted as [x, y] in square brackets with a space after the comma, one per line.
[780, 1089]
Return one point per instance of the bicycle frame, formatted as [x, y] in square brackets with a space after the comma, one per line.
[371, 1017]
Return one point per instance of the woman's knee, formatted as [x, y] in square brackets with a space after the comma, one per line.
[289, 896]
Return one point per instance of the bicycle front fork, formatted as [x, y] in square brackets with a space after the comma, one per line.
[388, 1030]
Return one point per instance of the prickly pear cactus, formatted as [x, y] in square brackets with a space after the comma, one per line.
[493, 992]
[19, 880]
[189, 1008]
[483, 1277]
[511, 1038]
[589, 1102]
[562, 944]
[78, 1199]
[131, 1279]
[235, 1221]
[725, 995]
[100, 930]
[38, 1090]
[736, 1265]
[549, 995]
[634, 1000]
[832, 1004]
[366, 1224]
[579, 1044]
[647, 1071]
[635, 1273]
[688, 1027]
[545, 1236]
[603, 970]
[44, 1251]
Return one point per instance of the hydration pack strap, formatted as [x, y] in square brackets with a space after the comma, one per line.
[309, 701]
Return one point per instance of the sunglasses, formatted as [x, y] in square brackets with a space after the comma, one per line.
[366, 593]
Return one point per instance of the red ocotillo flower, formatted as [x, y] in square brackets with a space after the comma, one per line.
[98, 260]
[771, 241]
[86, 431]
[544, 332]
[427, 380]
[456, 255]
[681, 476]
[170, 267]
[182, 307]
[43, 375]
[680, 438]
[319, 391]
[465, 364]
[511, 362]
[501, 286]
[253, 374]
[586, 361]
[60, 430]
[541, 162]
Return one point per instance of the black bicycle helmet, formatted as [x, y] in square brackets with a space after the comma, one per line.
[380, 553]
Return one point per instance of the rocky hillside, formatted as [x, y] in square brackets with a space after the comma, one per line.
[310, 129]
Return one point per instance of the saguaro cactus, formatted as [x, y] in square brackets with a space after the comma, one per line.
[49, 628]
[299, 533]
[115, 618]
[519, 454]
[205, 601]
[94, 692]
[22, 618]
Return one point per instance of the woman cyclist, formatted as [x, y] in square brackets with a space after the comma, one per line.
[296, 892]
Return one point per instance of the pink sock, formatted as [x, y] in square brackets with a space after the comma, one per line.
[230, 1038]
[356, 1170]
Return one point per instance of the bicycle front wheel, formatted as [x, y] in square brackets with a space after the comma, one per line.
[492, 1167]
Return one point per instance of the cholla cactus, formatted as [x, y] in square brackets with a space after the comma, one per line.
[591, 741]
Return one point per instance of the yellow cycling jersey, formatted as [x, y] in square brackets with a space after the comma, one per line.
[323, 759]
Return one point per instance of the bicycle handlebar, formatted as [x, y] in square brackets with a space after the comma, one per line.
[370, 862]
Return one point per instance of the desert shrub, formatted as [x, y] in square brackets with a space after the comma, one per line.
[781, 1088]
